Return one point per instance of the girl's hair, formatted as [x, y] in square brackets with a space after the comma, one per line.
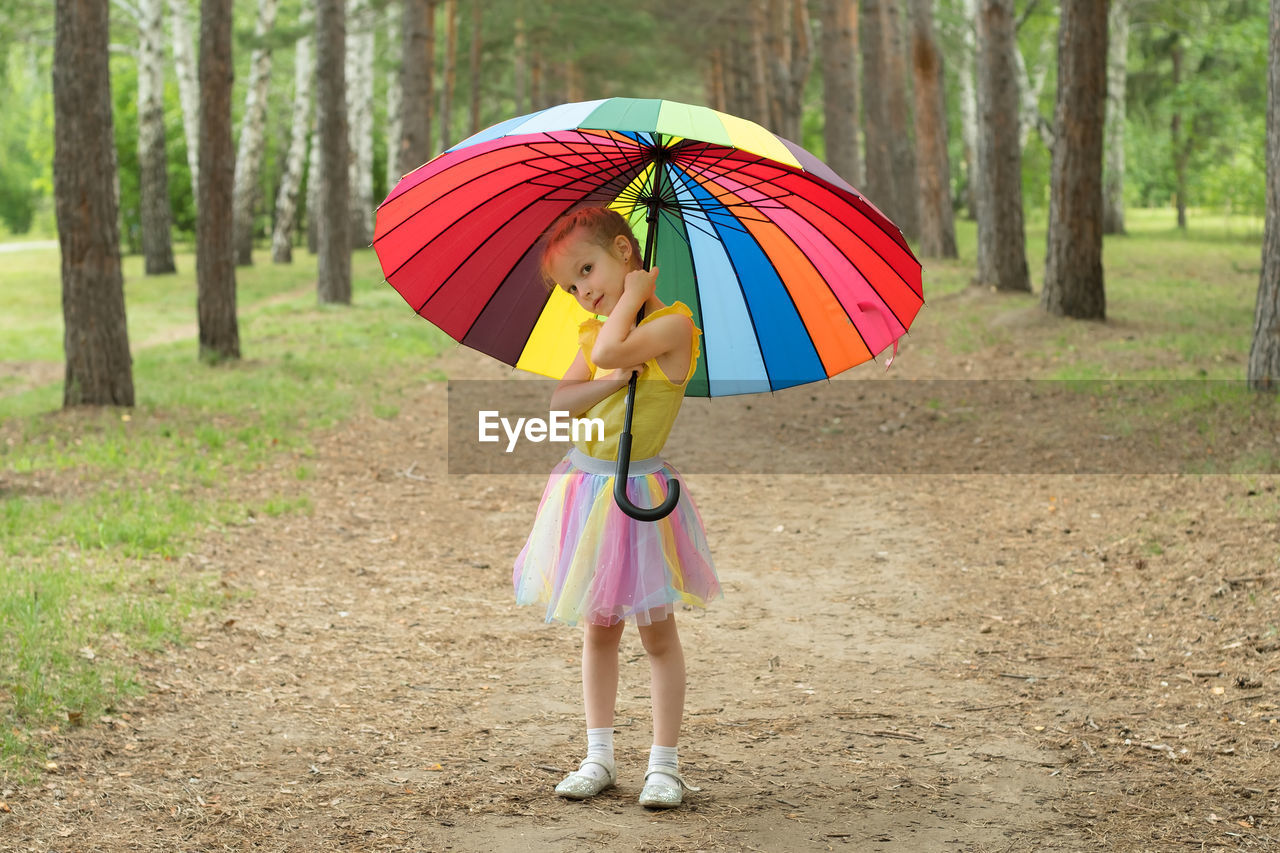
[602, 224]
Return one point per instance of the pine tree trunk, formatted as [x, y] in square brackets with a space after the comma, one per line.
[96, 336]
[1073, 284]
[1002, 239]
[286, 218]
[477, 42]
[1117, 71]
[891, 161]
[417, 83]
[840, 88]
[969, 104]
[184, 64]
[937, 222]
[450, 74]
[761, 110]
[333, 220]
[1264, 353]
[253, 135]
[153, 161]
[1179, 147]
[395, 98]
[520, 69]
[359, 65]
[215, 244]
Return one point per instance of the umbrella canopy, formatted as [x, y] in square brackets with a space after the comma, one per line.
[790, 273]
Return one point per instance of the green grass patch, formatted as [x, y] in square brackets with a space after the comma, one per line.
[98, 507]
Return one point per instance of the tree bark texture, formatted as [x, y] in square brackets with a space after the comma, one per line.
[969, 104]
[759, 64]
[215, 244]
[450, 73]
[359, 66]
[840, 88]
[1073, 283]
[1002, 254]
[286, 216]
[332, 218]
[96, 337]
[790, 58]
[1117, 71]
[417, 76]
[395, 99]
[184, 65]
[1264, 353]
[253, 133]
[313, 185]
[937, 221]
[153, 162]
[891, 162]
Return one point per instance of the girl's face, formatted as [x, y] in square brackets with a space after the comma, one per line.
[591, 273]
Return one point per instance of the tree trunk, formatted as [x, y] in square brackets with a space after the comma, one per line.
[1117, 70]
[314, 170]
[520, 68]
[969, 105]
[1030, 85]
[1264, 353]
[1073, 285]
[333, 222]
[1175, 131]
[395, 98]
[215, 245]
[1002, 240]
[716, 97]
[840, 88]
[450, 73]
[891, 162]
[184, 64]
[477, 42]
[759, 64]
[359, 65]
[286, 218]
[153, 162]
[937, 222]
[790, 59]
[96, 335]
[253, 136]
[417, 76]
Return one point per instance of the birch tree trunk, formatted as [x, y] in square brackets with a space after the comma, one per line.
[1030, 85]
[969, 104]
[215, 244]
[395, 100]
[1073, 284]
[1117, 71]
[1002, 239]
[1264, 353]
[417, 75]
[450, 73]
[333, 219]
[313, 185]
[286, 218]
[253, 134]
[891, 162]
[359, 64]
[153, 162]
[184, 65]
[477, 42]
[99, 370]
[937, 223]
[840, 88]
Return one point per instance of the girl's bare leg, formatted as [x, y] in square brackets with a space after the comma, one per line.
[600, 673]
[667, 679]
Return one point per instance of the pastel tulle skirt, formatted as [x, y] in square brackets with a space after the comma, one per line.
[587, 560]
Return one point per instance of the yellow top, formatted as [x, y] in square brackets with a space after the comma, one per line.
[658, 398]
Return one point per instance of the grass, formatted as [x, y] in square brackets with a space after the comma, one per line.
[97, 507]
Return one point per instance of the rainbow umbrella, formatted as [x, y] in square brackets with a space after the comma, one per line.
[790, 273]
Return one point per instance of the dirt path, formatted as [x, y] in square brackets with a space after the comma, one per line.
[899, 664]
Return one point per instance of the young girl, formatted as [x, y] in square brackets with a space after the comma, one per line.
[586, 559]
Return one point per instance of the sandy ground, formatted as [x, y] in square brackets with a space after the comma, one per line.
[901, 662]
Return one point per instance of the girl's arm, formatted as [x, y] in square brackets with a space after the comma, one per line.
[620, 342]
[578, 392]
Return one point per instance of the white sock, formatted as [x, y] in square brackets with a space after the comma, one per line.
[664, 761]
[599, 745]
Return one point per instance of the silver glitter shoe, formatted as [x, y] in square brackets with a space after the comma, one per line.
[579, 786]
[660, 795]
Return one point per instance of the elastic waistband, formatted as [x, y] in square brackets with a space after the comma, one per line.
[609, 467]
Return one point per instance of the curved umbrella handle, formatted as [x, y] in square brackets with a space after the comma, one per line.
[620, 476]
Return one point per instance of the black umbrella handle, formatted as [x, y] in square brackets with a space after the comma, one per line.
[624, 461]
